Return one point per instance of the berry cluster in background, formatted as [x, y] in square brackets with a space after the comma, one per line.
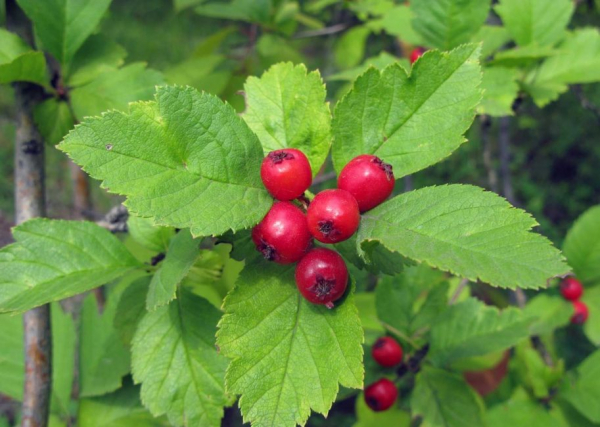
[382, 394]
[285, 235]
[571, 289]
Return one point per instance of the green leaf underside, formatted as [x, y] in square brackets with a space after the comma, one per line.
[471, 328]
[287, 355]
[445, 24]
[131, 308]
[443, 399]
[467, 231]
[287, 109]
[585, 393]
[535, 21]
[183, 252]
[186, 160]
[174, 358]
[411, 121]
[582, 246]
[53, 260]
[551, 312]
[53, 119]
[150, 236]
[98, 55]
[591, 298]
[521, 412]
[500, 89]
[18, 62]
[62, 26]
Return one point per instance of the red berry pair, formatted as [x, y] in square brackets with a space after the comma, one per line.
[571, 290]
[416, 53]
[382, 394]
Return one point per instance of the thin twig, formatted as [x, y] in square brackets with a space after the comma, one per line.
[115, 220]
[461, 286]
[321, 31]
[504, 142]
[320, 179]
[399, 334]
[492, 174]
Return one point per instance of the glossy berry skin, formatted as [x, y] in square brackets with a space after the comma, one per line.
[571, 289]
[387, 352]
[333, 216]
[282, 236]
[322, 276]
[368, 179]
[286, 173]
[581, 313]
[381, 395]
[415, 54]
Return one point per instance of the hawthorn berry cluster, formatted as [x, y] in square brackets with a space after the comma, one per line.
[382, 394]
[286, 233]
[571, 290]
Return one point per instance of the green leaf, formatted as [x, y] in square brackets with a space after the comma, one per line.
[365, 302]
[98, 55]
[304, 351]
[131, 308]
[493, 38]
[150, 236]
[551, 313]
[500, 89]
[184, 4]
[443, 399]
[523, 56]
[119, 409]
[398, 22]
[114, 90]
[350, 47]
[591, 297]
[53, 260]
[174, 358]
[258, 11]
[12, 368]
[520, 412]
[534, 373]
[200, 72]
[467, 231]
[18, 62]
[445, 24]
[53, 119]
[584, 394]
[411, 121]
[205, 277]
[104, 358]
[185, 160]
[366, 417]
[380, 62]
[287, 109]
[471, 328]
[62, 26]
[536, 21]
[582, 246]
[183, 252]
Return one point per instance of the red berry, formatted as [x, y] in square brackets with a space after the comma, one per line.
[286, 173]
[387, 352]
[368, 179]
[381, 395]
[322, 276]
[282, 236]
[581, 313]
[333, 216]
[416, 53]
[571, 289]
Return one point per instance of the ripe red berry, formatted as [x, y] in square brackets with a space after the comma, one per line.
[387, 352]
[322, 276]
[286, 173]
[368, 179]
[333, 216]
[581, 313]
[282, 236]
[416, 53]
[571, 289]
[381, 395]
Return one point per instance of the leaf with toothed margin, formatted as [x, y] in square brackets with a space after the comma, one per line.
[409, 120]
[468, 232]
[185, 160]
[288, 356]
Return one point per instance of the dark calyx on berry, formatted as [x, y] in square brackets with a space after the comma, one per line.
[386, 167]
[381, 395]
[369, 179]
[286, 173]
[333, 216]
[322, 276]
[580, 314]
[280, 156]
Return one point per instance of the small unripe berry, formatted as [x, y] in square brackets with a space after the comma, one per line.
[333, 216]
[286, 173]
[368, 179]
[415, 54]
[381, 395]
[322, 276]
[580, 314]
[571, 289]
[282, 236]
[387, 352]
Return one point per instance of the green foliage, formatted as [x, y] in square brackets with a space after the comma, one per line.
[173, 357]
[466, 231]
[443, 93]
[534, 373]
[446, 24]
[443, 399]
[584, 394]
[199, 166]
[287, 355]
[397, 21]
[70, 257]
[582, 246]
[591, 298]
[520, 410]
[500, 89]
[18, 62]
[54, 119]
[97, 56]
[471, 328]
[368, 418]
[350, 48]
[151, 237]
[550, 312]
